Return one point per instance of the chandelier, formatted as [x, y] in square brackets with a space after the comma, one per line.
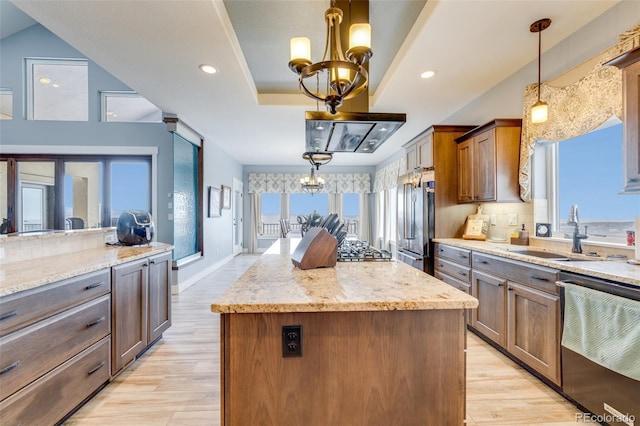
[313, 184]
[336, 78]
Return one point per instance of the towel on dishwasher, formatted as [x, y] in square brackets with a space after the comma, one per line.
[603, 328]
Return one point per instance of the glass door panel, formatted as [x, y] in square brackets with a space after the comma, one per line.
[36, 196]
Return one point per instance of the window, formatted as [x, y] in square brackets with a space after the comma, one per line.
[270, 213]
[130, 187]
[6, 104]
[90, 193]
[589, 174]
[128, 107]
[351, 212]
[57, 89]
[304, 204]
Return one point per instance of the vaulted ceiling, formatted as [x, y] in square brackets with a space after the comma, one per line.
[251, 107]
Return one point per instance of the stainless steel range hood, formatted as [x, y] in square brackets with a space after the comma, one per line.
[360, 132]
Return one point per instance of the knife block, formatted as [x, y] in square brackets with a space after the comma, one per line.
[317, 249]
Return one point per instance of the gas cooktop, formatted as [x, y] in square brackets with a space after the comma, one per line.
[361, 251]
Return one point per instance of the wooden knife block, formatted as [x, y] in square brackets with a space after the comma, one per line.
[317, 249]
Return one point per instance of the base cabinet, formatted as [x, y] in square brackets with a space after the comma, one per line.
[52, 360]
[453, 266]
[141, 292]
[489, 318]
[519, 309]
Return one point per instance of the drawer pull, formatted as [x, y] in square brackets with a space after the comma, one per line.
[484, 262]
[9, 368]
[535, 277]
[151, 261]
[96, 368]
[90, 286]
[98, 321]
[9, 315]
[510, 288]
[464, 274]
[499, 284]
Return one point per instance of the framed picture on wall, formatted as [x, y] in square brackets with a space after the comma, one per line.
[215, 202]
[226, 197]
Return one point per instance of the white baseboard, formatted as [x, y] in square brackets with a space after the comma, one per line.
[177, 288]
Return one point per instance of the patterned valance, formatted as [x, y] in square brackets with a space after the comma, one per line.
[334, 183]
[387, 177]
[574, 109]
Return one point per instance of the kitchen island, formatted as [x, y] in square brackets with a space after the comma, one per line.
[381, 343]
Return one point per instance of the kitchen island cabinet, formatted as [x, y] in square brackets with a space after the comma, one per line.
[379, 343]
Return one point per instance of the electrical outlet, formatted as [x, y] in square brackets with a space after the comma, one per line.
[291, 341]
[513, 219]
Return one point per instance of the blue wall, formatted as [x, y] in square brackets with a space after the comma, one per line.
[219, 167]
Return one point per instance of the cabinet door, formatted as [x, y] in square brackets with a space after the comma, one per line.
[465, 171]
[424, 151]
[489, 317]
[533, 329]
[631, 98]
[159, 295]
[484, 179]
[129, 315]
[412, 158]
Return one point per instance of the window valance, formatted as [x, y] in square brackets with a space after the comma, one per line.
[387, 177]
[334, 183]
[575, 108]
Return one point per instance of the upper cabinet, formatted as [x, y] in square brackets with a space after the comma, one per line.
[487, 159]
[419, 152]
[630, 65]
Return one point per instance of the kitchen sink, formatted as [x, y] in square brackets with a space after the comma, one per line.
[555, 256]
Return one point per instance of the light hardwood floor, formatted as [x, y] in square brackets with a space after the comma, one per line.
[177, 381]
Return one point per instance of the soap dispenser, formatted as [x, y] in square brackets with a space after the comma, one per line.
[522, 238]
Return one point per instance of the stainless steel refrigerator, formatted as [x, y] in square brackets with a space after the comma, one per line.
[416, 219]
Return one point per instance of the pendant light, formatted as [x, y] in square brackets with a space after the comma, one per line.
[539, 110]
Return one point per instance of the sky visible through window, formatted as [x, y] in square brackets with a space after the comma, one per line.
[590, 175]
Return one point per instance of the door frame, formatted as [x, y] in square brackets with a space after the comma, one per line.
[237, 216]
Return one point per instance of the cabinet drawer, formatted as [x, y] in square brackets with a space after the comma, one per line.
[49, 399]
[454, 282]
[24, 308]
[536, 276]
[462, 273]
[458, 255]
[31, 352]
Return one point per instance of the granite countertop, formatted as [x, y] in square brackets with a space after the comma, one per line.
[27, 274]
[614, 270]
[273, 284]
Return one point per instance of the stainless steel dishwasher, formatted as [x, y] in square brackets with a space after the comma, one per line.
[610, 397]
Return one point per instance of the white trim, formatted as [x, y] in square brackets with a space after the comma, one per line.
[177, 288]
[184, 131]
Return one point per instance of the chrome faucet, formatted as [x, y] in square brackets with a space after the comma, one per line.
[577, 236]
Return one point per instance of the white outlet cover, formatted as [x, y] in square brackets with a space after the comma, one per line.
[513, 219]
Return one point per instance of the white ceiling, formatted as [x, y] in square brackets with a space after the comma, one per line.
[251, 107]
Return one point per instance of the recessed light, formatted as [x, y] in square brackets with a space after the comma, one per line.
[383, 129]
[109, 112]
[45, 80]
[208, 69]
[56, 85]
[427, 74]
[319, 127]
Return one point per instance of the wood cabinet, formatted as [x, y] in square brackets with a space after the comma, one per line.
[436, 147]
[159, 295]
[141, 292]
[419, 152]
[519, 309]
[50, 356]
[487, 162]
[630, 65]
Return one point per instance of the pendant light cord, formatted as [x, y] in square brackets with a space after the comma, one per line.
[539, 56]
